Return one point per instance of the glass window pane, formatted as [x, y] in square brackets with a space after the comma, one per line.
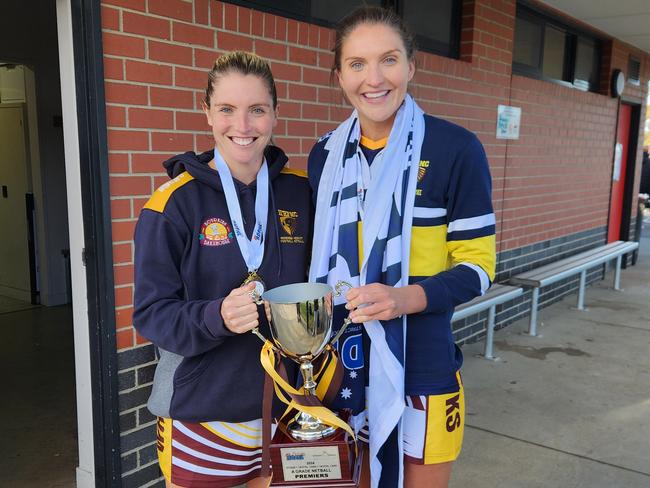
[430, 19]
[586, 72]
[634, 70]
[334, 10]
[528, 42]
[554, 50]
[289, 6]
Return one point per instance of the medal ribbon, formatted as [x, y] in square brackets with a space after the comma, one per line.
[251, 250]
[296, 398]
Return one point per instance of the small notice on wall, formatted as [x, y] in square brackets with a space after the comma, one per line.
[618, 156]
[508, 121]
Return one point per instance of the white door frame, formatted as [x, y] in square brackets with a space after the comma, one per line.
[86, 469]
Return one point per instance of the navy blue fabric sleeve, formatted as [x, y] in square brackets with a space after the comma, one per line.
[161, 313]
[470, 234]
[450, 288]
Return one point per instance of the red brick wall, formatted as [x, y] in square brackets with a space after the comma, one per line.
[551, 182]
[559, 171]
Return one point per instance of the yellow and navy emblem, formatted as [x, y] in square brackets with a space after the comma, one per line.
[289, 223]
[215, 232]
[422, 170]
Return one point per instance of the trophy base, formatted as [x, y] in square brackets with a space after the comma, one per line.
[321, 463]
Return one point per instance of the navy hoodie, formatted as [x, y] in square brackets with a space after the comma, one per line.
[187, 261]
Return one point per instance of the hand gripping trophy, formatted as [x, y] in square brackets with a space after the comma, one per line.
[316, 448]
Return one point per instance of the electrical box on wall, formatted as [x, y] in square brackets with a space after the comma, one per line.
[12, 83]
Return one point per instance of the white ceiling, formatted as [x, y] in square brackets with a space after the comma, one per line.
[628, 20]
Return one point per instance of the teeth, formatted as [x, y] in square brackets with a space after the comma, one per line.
[242, 141]
[375, 95]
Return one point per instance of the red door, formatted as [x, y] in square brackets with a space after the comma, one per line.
[618, 175]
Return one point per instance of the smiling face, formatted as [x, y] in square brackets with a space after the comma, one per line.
[242, 118]
[374, 74]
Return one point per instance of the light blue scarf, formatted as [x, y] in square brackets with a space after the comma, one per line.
[386, 232]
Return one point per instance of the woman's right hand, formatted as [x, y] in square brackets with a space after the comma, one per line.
[239, 311]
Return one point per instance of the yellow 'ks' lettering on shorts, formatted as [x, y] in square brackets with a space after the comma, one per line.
[434, 427]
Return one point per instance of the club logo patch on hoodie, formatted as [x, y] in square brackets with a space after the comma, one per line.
[422, 170]
[289, 223]
[215, 232]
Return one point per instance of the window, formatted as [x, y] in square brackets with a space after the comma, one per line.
[553, 64]
[634, 71]
[587, 64]
[528, 49]
[321, 11]
[334, 10]
[548, 49]
[436, 24]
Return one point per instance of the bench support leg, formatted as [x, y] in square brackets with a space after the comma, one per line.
[489, 335]
[581, 290]
[532, 328]
[617, 274]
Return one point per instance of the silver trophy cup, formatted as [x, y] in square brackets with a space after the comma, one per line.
[301, 327]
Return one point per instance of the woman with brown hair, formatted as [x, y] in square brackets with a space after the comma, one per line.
[404, 213]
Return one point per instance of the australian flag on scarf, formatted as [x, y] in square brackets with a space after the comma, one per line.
[351, 349]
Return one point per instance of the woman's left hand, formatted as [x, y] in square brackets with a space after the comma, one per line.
[382, 302]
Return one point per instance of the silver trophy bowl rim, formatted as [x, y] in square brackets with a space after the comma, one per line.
[296, 293]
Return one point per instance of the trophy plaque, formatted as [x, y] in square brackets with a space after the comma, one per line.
[328, 462]
[306, 451]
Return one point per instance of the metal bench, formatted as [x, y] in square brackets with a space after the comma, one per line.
[564, 268]
[496, 295]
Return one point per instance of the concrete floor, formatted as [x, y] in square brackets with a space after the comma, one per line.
[570, 408]
[8, 305]
[38, 438]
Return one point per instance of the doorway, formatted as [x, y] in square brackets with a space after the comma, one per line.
[38, 433]
[15, 275]
[623, 193]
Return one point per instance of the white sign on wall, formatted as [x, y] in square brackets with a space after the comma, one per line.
[618, 156]
[508, 121]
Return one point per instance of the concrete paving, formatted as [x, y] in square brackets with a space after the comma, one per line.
[38, 424]
[571, 407]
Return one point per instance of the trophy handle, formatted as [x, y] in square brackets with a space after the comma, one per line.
[346, 322]
[257, 299]
[338, 291]
[339, 284]
[256, 331]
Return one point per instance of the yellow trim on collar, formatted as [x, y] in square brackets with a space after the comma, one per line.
[292, 171]
[372, 145]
